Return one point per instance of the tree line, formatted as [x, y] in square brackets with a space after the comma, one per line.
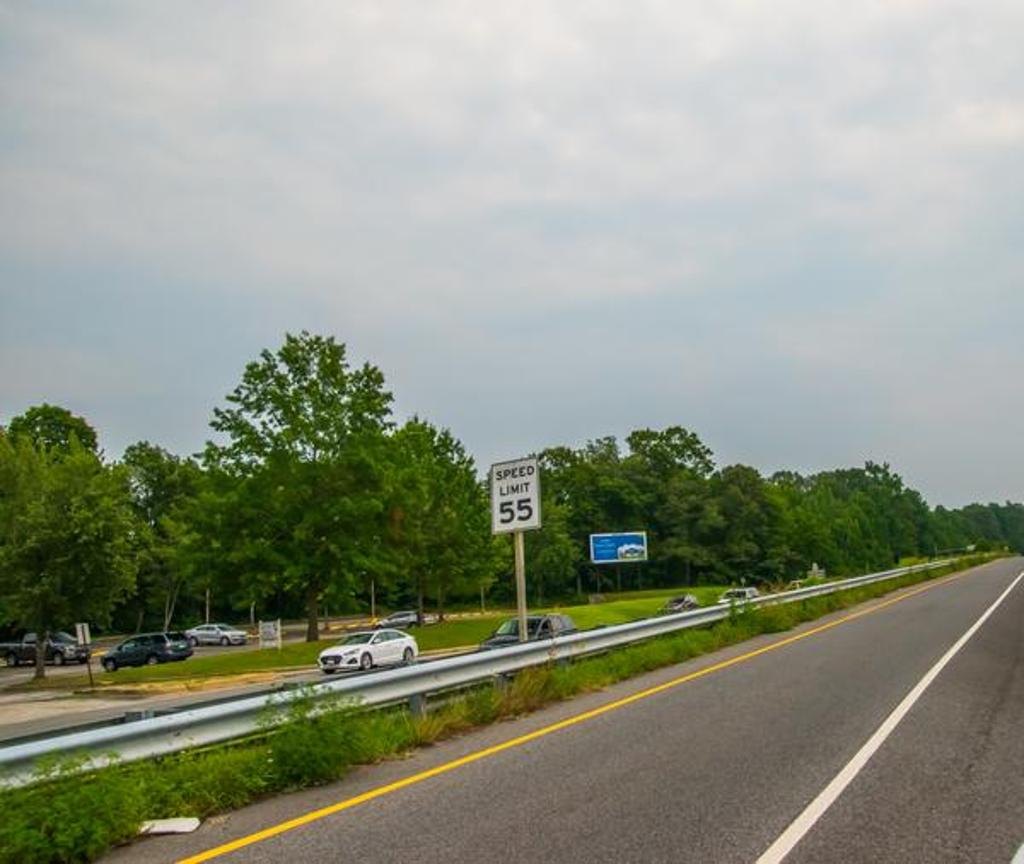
[312, 497]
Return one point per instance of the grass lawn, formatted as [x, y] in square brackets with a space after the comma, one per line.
[631, 606]
[454, 633]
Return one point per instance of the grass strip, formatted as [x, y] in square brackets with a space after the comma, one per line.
[454, 633]
[77, 818]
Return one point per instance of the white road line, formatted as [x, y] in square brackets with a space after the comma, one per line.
[817, 808]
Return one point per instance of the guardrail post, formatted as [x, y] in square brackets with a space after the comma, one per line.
[418, 705]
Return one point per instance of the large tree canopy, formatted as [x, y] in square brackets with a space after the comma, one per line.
[311, 497]
[305, 450]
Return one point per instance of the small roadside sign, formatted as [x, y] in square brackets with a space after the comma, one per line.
[84, 637]
[270, 634]
[515, 496]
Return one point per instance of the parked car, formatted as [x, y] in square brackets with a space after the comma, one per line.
[679, 604]
[408, 618]
[61, 648]
[148, 649]
[216, 634]
[367, 649]
[537, 627]
[739, 595]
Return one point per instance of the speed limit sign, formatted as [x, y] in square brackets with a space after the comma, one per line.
[515, 496]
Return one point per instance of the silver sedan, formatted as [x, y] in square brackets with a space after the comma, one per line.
[216, 634]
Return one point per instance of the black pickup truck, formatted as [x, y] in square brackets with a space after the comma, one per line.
[61, 648]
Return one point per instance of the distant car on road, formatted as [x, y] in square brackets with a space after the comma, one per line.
[739, 595]
[216, 634]
[682, 603]
[148, 649]
[407, 618]
[364, 650]
[61, 648]
[537, 627]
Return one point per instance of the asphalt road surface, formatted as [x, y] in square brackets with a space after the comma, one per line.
[713, 766]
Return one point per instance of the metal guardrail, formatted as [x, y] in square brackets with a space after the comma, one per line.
[211, 724]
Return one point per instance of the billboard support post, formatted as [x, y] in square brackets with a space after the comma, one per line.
[520, 550]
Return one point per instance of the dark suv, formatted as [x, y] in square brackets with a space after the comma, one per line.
[537, 627]
[148, 649]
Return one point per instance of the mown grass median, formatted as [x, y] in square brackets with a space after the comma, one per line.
[453, 633]
[66, 818]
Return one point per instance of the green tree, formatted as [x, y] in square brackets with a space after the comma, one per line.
[553, 556]
[51, 427]
[163, 488]
[304, 458]
[66, 536]
[439, 529]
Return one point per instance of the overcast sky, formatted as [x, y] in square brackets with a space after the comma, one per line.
[794, 228]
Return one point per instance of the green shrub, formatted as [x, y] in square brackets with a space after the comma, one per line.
[69, 819]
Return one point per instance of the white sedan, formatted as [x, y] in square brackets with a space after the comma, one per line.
[216, 634]
[367, 649]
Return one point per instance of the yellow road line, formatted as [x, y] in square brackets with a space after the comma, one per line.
[476, 756]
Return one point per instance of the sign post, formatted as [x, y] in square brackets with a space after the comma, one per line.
[515, 508]
[84, 638]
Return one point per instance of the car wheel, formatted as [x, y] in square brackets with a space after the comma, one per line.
[11, 659]
[225, 641]
[193, 641]
[366, 662]
[110, 665]
[152, 660]
[408, 655]
[328, 671]
[58, 658]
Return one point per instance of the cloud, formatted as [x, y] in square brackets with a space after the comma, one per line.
[786, 227]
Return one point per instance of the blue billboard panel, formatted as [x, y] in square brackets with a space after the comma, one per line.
[618, 548]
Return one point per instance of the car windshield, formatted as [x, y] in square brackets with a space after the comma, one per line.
[176, 637]
[508, 628]
[511, 627]
[356, 639]
[63, 637]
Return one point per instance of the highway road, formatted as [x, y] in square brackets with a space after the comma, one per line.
[910, 732]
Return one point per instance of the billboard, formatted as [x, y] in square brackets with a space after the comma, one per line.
[618, 548]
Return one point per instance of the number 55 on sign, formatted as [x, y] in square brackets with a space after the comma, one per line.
[515, 496]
